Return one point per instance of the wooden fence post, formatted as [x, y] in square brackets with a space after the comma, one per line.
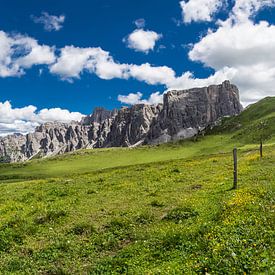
[261, 149]
[235, 159]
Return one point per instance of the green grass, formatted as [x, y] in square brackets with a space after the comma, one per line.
[90, 160]
[255, 123]
[85, 161]
[165, 209]
[165, 217]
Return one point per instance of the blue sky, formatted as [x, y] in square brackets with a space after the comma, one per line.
[95, 23]
[183, 44]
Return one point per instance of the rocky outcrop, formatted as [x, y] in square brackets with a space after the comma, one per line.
[186, 112]
[131, 125]
[48, 139]
[182, 115]
[99, 115]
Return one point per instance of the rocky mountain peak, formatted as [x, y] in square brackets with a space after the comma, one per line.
[98, 116]
[182, 114]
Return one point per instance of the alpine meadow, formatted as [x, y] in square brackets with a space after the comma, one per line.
[166, 209]
[137, 137]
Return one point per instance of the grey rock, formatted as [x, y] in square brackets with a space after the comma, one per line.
[186, 112]
[131, 125]
[99, 115]
[182, 115]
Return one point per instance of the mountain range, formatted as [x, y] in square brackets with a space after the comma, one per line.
[183, 114]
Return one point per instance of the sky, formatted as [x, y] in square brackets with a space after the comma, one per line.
[61, 59]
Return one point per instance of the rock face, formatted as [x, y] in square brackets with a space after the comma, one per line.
[182, 115]
[186, 112]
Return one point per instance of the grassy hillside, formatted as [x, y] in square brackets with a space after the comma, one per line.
[253, 124]
[85, 161]
[167, 209]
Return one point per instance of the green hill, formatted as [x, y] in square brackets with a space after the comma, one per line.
[165, 209]
[253, 124]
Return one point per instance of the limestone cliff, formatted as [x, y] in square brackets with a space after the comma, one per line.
[182, 114]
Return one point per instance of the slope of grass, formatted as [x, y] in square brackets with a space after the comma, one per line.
[170, 217]
[253, 124]
[86, 161]
[165, 209]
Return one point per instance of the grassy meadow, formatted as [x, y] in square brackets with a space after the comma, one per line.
[167, 209]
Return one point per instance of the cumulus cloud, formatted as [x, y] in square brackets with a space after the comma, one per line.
[50, 22]
[142, 41]
[200, 10]
[130, 99]
[18, 52]
[245, 9]
[25, 119]
[241, 50]
[136, 98]
[21, 52]
[152, 75]
[237, 49]
[57, 114]
[74, 60]
[17, 126]
[244, 44]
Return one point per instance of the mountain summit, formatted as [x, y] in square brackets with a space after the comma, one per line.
[182, 115]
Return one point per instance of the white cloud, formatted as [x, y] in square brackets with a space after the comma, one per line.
[50, 22]
[242, 51]
[244, 44]
[187, 80]
[18, 52]
[244, 9]
[38, 55]
[106, 68]
[18, 126]
[237, 49]
[155, 98]
[152, 75]
[200, 10]
[9, 114]
[74, 60]
[25, 119]
[132, 99]
[21, 52]
[57, 114]
[140, 23]
[142, 41]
